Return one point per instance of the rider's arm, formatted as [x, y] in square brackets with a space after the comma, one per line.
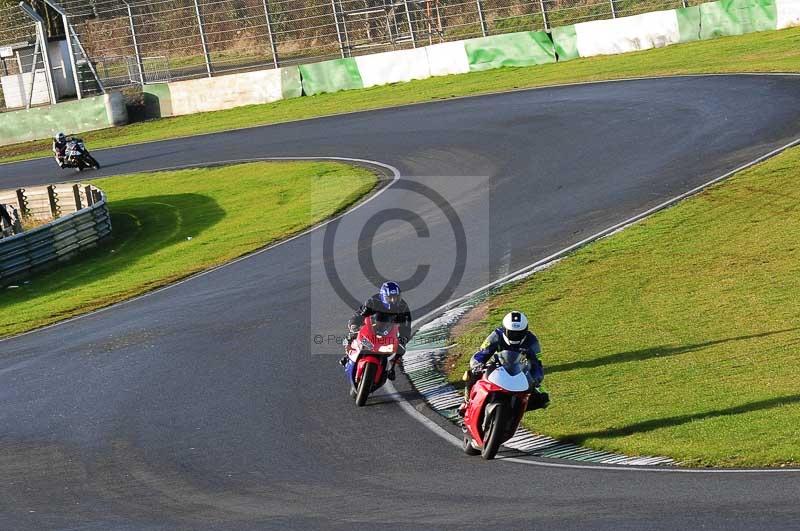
[404, 320]
[488, 347]
[533, 352]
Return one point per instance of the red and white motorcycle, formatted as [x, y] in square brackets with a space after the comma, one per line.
[496, 404]
[368, 355]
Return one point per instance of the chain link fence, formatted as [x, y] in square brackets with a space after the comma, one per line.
[118, 43]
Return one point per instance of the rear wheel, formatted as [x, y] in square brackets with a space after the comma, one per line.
[495, 432]
[467, 446]
[365, 385]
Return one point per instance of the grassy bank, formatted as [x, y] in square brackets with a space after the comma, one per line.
[172, 224]
[776, 51]
[678, 336]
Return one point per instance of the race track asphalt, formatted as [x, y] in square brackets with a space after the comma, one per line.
[209, 405]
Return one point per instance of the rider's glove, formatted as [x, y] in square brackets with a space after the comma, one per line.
[477, 370]
[353, 327]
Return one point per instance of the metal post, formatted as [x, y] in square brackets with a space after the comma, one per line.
[338, 29]
[203, 37]
[76, 194]
[52, 198]
[410, 25]
[75, 77]
[22, 202]
[42, 36]
[544, 15]
[613, 9]
[89, 196]
[135, 43]
[33, 74]
[269, 34]
[484, 30]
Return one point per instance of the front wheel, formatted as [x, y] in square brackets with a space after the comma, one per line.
[495, 432]
[365, 385]
[93, 162]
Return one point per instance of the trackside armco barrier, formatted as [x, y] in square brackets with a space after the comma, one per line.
[87, 114]
[87, 223]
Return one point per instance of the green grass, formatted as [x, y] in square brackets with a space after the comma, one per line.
[678, 336]
[776, 51]
[226, 211]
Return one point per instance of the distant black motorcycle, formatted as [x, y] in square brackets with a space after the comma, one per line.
[77, 156]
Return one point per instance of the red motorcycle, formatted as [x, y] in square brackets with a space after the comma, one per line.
[496, 404]
[368, 356]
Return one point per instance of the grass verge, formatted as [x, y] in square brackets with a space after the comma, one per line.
[678, 336]
[168, 225]
[774, 51]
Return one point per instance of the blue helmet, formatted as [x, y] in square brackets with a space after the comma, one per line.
[390, 294]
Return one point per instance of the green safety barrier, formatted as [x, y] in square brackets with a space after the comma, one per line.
[41, 122]
[330, 76]
[689, 23]
[512, 49]
[291, 84]
[736, 17]
[565, 42]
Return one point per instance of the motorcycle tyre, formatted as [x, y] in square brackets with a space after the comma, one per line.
[365, 385]
[494, 434]
[93, 162]
[467, 446]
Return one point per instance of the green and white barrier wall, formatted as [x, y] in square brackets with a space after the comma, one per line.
[223, 92]
[87, 114]
[662, 28]
[599, 37]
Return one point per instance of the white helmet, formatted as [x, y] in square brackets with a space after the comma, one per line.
[60, 137]
[515, 327]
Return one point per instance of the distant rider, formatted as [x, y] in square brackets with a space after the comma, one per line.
[515, 336]
[60, 148]
[387, 301]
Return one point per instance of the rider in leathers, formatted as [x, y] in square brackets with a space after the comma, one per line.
[386, 301]
[513, 335]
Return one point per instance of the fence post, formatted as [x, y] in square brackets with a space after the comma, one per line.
[22, 202]
[544, 15]
[484, 30]
[269, 34]
[76, 193]
[338, 29]
[613, 9]
[410, 24]
[136, 52]
[34, 63]
[203, 37]
[685, 3]
[89, 196]
[52, 197]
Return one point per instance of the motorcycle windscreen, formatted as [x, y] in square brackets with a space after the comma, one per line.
[510, 360]
[513, 383]
[382, 324]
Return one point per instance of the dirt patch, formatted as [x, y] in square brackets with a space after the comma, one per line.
[475, 315]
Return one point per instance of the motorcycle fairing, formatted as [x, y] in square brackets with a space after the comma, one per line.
[515, 384]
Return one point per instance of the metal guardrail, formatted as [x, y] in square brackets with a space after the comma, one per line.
[56, 241]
